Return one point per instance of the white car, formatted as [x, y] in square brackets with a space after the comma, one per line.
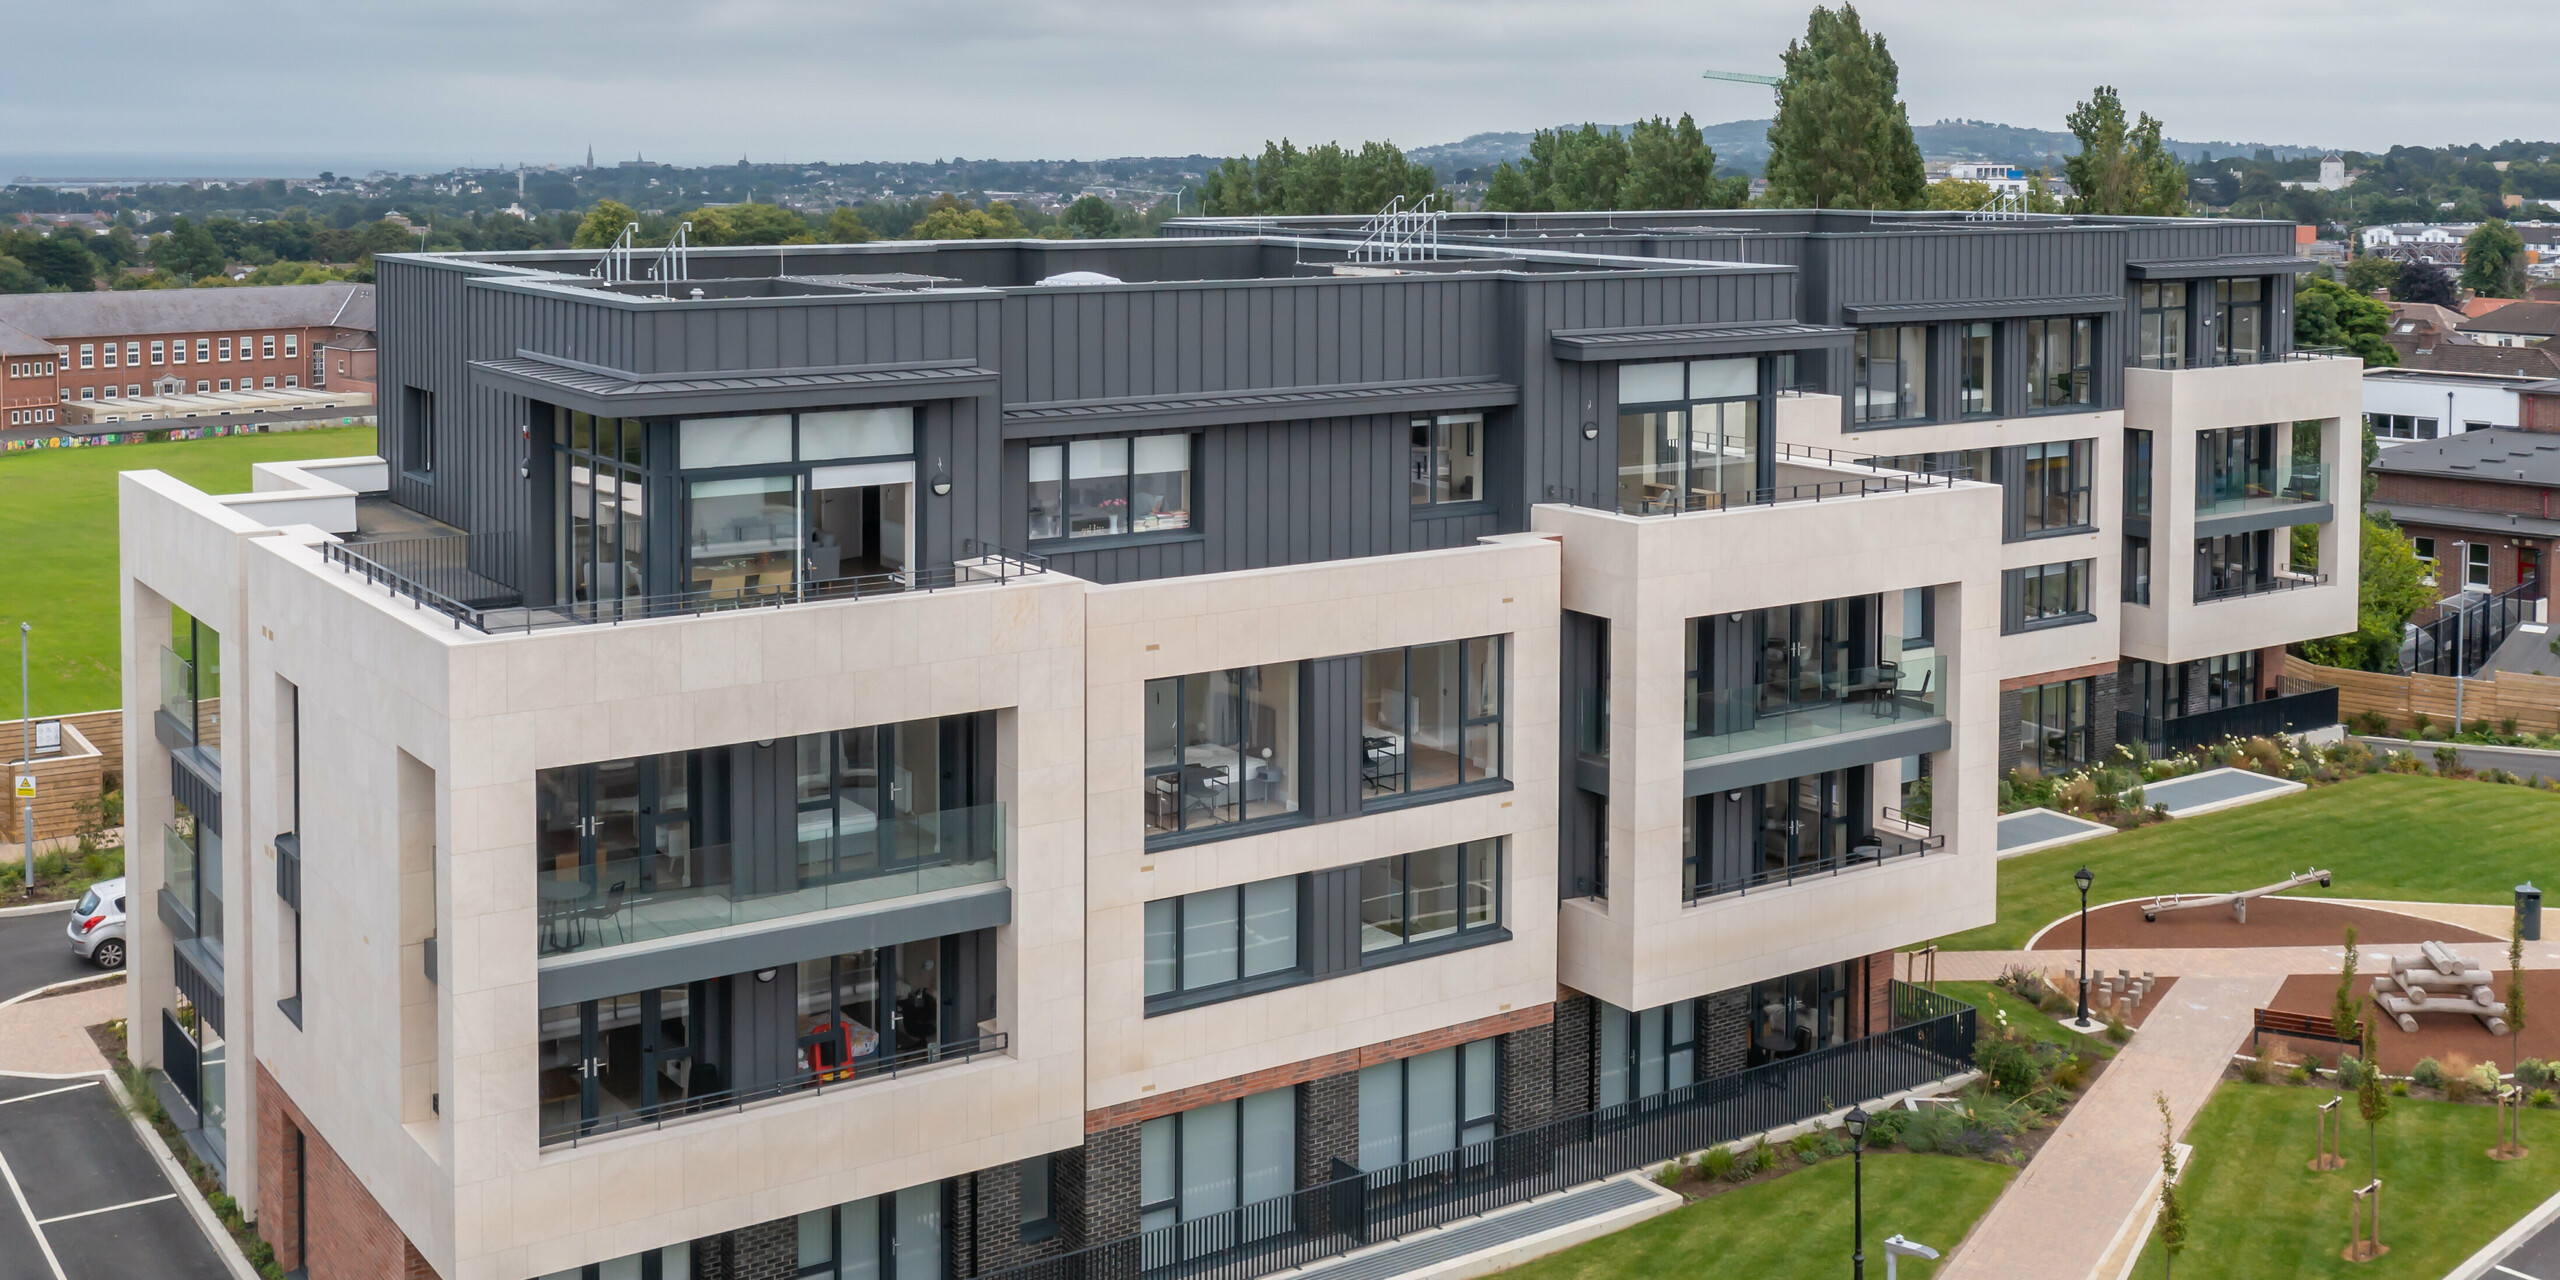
[97, 925]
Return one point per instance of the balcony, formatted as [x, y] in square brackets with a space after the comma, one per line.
[1802, 474]
[451, 574]
[2226, 585]
[623, 1117]
[625, 896]
[1819, 705]
[2284, 485]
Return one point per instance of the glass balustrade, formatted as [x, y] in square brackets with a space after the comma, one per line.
[1819, 704]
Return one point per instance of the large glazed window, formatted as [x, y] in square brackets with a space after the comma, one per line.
[1448, 459]
[1437, 894]
[743, 537]
[2046, 595]
[1647, 1053]
[1222, 937]
[2049, 486]
[2240, 320]
[1980, 341]
[1431, 1104]
[599, 476]
[1198, 1167]
[2060, 375]
[1222, 747]
[898, 1236]
[1891, 373]
[1431, 716]
[2054, 730]
[2164, 326]
[1689, 434]
[1110, 486]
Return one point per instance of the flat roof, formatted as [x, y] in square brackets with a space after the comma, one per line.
[2501, 454]
[2453, 375]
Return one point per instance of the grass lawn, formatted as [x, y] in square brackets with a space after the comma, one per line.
[58, 520]
[1794, 1226]
[2385, 835]
[2025, 1019]
[2254, 1210]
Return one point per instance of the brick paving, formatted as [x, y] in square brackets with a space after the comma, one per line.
[2096, 1169]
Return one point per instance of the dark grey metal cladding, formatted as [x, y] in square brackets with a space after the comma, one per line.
[622, 970]
[1333, 735]
[1893, 741]
[1333, 921]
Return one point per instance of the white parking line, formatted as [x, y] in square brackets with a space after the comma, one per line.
[32, 1225]
[135, 1204]
[2513, 1272]
[85, 1084]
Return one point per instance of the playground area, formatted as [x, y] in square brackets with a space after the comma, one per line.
[2440, 1035]
[2273, 922]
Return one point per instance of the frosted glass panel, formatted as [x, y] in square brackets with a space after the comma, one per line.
[1647, 383]
[1208, 1161]
[1163, 453]
[918, 1244]
[861, 1223]
[1613, 1055]
[1431, 1100]
[1479, 1072]
[1381, 1115]
[1270, 1141]
[733, 442]
[858, 433]
[1270, 926]
[1717, 379]
[1208, 938]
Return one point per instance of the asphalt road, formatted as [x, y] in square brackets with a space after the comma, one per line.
[2538, 1258]
[85, 1199]
[34, 952]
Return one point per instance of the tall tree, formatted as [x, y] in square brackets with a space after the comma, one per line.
[62, 263]
[1318, 180]
[2372, 271]
[15, 278]
[2493, 260]
[2425, 282]
[2120, 168]
[1091, 218]
[2329, 314]
[2391, 584]
[603, 225]
[188, 252]
[1842, 139]
[845, 226]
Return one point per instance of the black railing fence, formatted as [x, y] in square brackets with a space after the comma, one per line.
[2292, 713]
[860, 1071]
[2455, 636]
[1933, 1037]
[435, 573]
[1875, 850]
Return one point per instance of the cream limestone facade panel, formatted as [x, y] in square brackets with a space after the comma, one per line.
[2323, 394]
[1506, 585]
[1649, 576]
[470, 1185]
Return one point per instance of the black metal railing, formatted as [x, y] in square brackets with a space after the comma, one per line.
[859, 1072]
[1874, 852]
[428, 577]
[178, 1057]
[1933, 1038]
[2455, 636]
[2238, 586]
[2292, 713]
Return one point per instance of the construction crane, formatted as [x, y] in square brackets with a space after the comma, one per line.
[1744, 77]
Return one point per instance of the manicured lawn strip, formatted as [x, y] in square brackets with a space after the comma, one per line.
[58, 521]
[2024, 1019]
[2255, 1210]
[2387, 836]
[1795, 1226]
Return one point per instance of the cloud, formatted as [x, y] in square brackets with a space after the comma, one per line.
[709, 80]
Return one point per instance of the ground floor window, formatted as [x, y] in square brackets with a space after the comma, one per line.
[1197, 1165]
[1426, 1105]
[2231, 680]
[675, 1262]
[1646, 1053]
[2054, 730]
[1800, 1013]
[897, 1236]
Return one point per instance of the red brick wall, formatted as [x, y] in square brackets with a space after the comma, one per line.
[2504, 557]
[1297, 1073]
[2464, 494]
[73, 378]
[349, 1236]
[2539, 412]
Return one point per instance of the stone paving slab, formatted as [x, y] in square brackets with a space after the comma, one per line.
[50, 1036]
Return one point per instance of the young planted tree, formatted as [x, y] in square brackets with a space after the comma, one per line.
[2373, 1102]
[1842, 139]
[2173, 1207]
[2342, 1009]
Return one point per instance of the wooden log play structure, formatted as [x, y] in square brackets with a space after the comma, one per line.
[2238, 902]
[2438, 981]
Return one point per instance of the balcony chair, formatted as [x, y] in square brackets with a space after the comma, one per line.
[610, 909]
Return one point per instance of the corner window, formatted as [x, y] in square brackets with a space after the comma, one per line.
[1891, 373]
[2046, 595]
[1448, 459]
[1689, 435]
[2049, 487]
[2059, 373]
[1222, 747]
[1430, 716]
[2164, 327]
[1222, 937]
[1428, 1105]
[1416, 898]
[1108, 487]
[1974, 385]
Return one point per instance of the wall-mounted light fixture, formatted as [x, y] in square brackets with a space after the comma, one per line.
[941, 480]
[765, 975]
[1590, 430]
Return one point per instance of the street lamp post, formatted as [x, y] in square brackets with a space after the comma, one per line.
[1857, 1125]
[2083, 879]
[27, 755]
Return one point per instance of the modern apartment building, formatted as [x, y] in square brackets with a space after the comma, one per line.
[1038, 757]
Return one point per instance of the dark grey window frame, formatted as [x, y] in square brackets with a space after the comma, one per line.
[417, 433]
[1040, 1170]
[1244, 984]
[1500, 778]
[1465, 935]
[2136, 585]
[2020, 588]
[1488, 1121]
[1989, 390]
[886, 1235]
[1418, 488]
[2157, 320]
[1861, 362]
[1064, 541]
[2081, 737]
[1185, 836]
[2025, 508]
[2081, 349]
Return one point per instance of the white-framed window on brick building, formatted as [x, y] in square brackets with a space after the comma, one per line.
[204, 350]
[291, 342]
[223, 350]
[267, 346]
[159, 353]
[133, 355]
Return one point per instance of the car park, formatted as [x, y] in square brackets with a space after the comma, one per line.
[97, 925]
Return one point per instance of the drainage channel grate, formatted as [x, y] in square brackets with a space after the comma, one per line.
[1504, 1228]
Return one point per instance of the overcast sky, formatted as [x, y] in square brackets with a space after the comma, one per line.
[500, 81]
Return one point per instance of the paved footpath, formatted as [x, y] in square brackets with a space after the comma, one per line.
[2097, 1167]
[50, 1036]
